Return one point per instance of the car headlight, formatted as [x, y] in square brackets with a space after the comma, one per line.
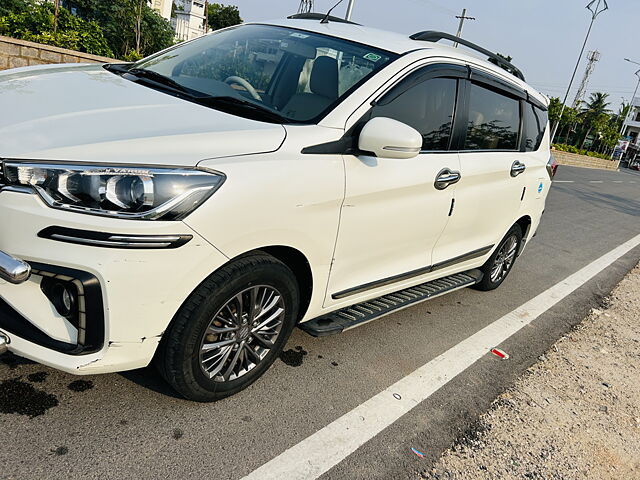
[122, 192]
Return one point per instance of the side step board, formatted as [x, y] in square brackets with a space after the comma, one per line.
[361, 313]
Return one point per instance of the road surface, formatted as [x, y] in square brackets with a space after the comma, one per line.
[131, 425]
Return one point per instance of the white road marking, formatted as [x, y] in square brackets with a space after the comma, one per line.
[330, 445]
[563, 181]
[617, 181]
[595, 181]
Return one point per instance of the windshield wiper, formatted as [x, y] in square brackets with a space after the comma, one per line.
[229, 102]
[158, 78]
[226, 102]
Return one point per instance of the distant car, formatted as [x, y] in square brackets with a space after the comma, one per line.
[194, 207]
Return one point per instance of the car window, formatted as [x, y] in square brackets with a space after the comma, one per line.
[535, 124]
[494, 120]
[543, 122]
[297, 74]
[532, 128]
[428, 107]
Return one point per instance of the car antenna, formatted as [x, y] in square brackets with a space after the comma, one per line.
[326, 17]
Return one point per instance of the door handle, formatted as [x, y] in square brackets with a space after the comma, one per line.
[445, 178]
[517, 168]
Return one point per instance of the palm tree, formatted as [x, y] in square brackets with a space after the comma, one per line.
[592, 110]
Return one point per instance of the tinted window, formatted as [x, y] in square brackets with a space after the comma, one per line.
[543, 121]
[535, 123]
[531, 130]
[494, 120]
[428, 107]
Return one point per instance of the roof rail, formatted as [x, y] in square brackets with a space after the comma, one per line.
[433, 36]
[319, 16]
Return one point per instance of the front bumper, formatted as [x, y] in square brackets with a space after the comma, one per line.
[140, 289]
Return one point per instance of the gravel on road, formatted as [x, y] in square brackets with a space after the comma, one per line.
[575, 414]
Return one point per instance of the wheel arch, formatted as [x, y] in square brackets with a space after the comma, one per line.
[524, 223]
[299, 265]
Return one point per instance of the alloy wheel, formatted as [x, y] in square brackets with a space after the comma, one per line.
[504, 259]
[242, 333]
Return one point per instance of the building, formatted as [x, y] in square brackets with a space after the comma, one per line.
[190, 20]
[163, 7]
[632, 126]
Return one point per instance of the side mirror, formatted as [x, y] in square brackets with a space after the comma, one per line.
[388, 138]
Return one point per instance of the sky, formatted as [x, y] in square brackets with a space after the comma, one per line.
[544, 37]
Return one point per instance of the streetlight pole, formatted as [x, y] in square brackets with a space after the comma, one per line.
[349, 10]
[596, 7]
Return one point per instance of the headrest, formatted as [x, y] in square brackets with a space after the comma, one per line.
[324, 77]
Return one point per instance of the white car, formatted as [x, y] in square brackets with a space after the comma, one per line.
[196, 206]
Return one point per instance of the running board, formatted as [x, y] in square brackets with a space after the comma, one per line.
[361, 313]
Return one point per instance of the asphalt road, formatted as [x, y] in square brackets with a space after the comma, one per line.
[131, 425]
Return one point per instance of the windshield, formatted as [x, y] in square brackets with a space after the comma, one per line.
[297, 74]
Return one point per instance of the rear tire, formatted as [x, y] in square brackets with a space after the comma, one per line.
[496, 269]
[231, 329]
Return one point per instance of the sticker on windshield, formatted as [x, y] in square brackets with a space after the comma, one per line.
[372, 57]
[299, 35]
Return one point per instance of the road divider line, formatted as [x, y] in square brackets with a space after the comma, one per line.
[563, 181]
[596, 181]
[327, 447]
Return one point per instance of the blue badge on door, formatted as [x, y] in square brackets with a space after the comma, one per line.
[540, 188]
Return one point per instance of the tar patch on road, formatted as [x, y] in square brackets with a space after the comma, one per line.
[38, 377]
[80, 385]
[20, 397]
[12, 361]
[177, 434]
[293, 358]
[62, 450]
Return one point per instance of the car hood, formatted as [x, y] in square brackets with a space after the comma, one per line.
[86, 113]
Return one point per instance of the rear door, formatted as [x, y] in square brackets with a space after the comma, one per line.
[489, 195]
[393, 214]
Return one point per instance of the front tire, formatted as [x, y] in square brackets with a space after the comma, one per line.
[231, 329]
[496, 269]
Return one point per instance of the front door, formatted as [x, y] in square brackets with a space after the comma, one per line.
[393, 214]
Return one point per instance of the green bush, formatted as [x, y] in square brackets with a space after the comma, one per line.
[571, 149]
[35, 24]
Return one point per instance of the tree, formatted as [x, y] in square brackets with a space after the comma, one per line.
[592, 113]
[132, 28]
[508, 58]
[12, 6]
[570, 118]
[36, 23]
[222, 16]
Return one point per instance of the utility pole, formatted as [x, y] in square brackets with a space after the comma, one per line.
[592, 58]
[306, 6]
[349, 10]
[462, 18]
[596, 7]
